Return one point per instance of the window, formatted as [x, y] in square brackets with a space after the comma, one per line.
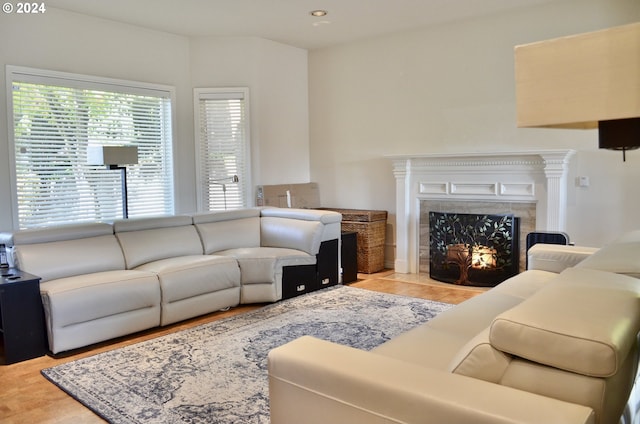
[222, 129]
[56, 116]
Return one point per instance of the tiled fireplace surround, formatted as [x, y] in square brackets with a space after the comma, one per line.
[530, 184]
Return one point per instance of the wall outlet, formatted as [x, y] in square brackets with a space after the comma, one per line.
[582, 181]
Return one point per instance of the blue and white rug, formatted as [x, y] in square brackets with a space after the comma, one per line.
[217, 372]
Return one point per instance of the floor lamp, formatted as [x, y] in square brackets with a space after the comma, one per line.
[223, 182]
[115, 157]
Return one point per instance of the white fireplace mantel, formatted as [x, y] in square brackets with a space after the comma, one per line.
[538, 177]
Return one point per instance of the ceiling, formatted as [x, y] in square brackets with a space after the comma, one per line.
[289, 21]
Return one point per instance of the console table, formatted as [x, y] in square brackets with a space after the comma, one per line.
[22, 329]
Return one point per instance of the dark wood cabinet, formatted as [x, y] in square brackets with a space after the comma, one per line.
[297, 280]
[327, 261]
[300, 279]
[22, 327]
[349, 257]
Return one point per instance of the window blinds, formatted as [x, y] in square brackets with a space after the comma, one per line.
[54, 120]
[222, 148]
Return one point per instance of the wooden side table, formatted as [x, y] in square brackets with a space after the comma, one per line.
[22, 328]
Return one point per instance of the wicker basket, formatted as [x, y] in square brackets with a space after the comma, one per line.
[370, 227]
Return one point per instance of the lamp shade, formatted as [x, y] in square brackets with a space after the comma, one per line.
[619, 134]
[579, 80]
[112, 155]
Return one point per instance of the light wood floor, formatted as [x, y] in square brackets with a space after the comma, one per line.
[27, 397]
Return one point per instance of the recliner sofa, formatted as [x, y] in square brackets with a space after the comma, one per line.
[104, 280]
[557, 343]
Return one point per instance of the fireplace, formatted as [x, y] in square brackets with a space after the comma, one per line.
[473, 249]
[524, 214]
[531, 185]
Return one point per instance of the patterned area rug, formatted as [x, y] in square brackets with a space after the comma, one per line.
[217, 372]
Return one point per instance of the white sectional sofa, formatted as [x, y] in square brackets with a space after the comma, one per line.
[264, 242]
[105, 280]
[88, 293]
[555, 344]
[191, 282]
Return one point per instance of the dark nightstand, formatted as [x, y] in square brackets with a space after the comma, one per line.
[22, 329]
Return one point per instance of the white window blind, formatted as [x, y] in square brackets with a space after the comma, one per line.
[56, 117]
[223, 145]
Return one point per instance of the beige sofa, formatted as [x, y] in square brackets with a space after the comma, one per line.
[101, 281]
[556, 344]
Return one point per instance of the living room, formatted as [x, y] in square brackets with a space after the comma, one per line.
[443, 89]
[336, 114]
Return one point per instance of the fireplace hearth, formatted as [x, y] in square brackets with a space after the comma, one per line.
[473, 249]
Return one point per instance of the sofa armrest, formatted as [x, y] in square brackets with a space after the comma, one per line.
[326, 217]
[315, 381]
[556, 257]
[330, 220]
[291, 234]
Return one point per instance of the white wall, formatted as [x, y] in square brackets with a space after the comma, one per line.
[451, 89]
[276, 74]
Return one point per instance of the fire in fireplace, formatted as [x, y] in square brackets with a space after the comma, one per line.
[472, 249]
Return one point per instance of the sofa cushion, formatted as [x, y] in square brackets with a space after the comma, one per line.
[87, 297]
[89, 308]
[188, 276]
[479, 359]
[583, 321]
[620, 256]
[151, 239]
[137, 224]
[60, 233]
[424, 346]
[606, 396]
[455, 330]
[229, 215]
[474, 315]
[525, 284]
[263, 264]
[228, 230]
[61, 259]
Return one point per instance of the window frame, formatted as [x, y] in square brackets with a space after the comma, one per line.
[244, 180]
[81, 81]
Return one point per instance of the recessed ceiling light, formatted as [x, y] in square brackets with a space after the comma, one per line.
[319, 13]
